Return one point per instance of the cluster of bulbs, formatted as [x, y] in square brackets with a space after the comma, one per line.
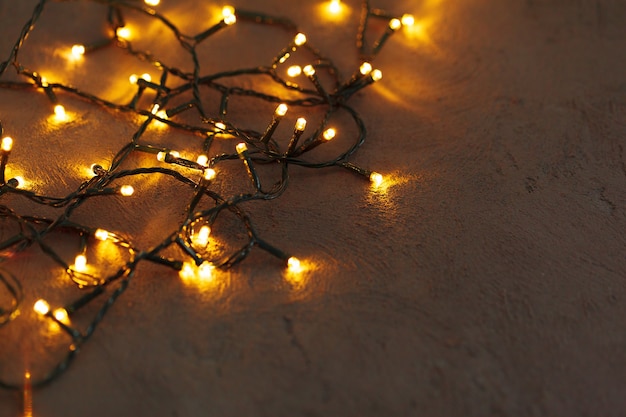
[193, 236]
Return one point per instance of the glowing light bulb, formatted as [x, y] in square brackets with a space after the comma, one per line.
[127, 190]
[202, 159]
[205, 270]
[146, 76]
[407, 19]
[59, 113]
[187, 271]
[61, 315]
[78, 51]
[230, 20]
[284, 58]
[209, 174]
[308, 70]
[155, 109]
[7, 144]
[294, 70]
[41, 307]
[220, 126]
[133, 78]
[329, 134]
[202, 238]
[152, 2]
[281, 110]
[80, 263]
[377, 75]
[228, 11]
[365, 68]
[334, 6]
[300, 39]
[294, 265]
[161, 156]
[162, 114]
[101, 234]
[17, 182]
[395, 24]
[301, 124]
[241, 148]
[123, 33]
[44, 82]
[376, 179]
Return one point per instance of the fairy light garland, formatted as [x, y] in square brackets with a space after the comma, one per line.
[252, 149]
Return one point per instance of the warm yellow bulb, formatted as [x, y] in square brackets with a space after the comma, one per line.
[281, 110]
[202, 159]
[395, 24]
[294, 70]
[377, 75]
[80, 263]
[376, 179]
[220, 126]
[154, 109]
[365, 68]
[334, 6]
[7, 143]
[209, 174]
[61, 315]
[300, 39]
[127, 190]
[329, 133]
[284, 58]
[308, 70]
[41, 307]
[152, 2]
[161, 156]
[301, 124]
[146, 76]
[205, 270]
[123, 33]
[294, 265]
[19, 181]
[202, 238]
[241, 147]
[187, 271]
[161, 114]
[59, 113]
[78, 51]
[133, 78]
[230, 20]
[228, 11]
[407, 19]
[101, 234]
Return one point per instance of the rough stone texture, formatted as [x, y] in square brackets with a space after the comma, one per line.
[489, 280]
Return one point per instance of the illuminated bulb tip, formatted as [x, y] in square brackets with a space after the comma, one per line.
[376, 179]
[187, 271]
[294, 265]
[407, 19]
[209, 174]
[152, 2]
[41, 307]
[395, 24]
[146, 77]
[205, 270]
[281, 110]
[228, 11]
[334, 6]
[80, 263]
[301, 124]
[284, 57]
[294, 70]
[300, 39]
[329, 133]
[61, 315]
[155, 109]
[377, 75]
[59, 112]
[127, 190]
[202, 159]
[123, 33]
[133, 78]
[16, 182]
[161, 114]
[230, 20]
[78, 51]
[7, 144]
[101, 234]
[220, 126]
[241, 147]
[202, 238]
[308, 70]
[365, 68]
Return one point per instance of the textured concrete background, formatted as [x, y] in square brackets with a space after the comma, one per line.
[488, 280]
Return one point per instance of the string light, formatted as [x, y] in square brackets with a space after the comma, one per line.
[334, 6]
[254, 149]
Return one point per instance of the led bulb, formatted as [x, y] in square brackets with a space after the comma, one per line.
[127, 190]
[133, 78]
[241, 147]
[16, 182]
[187, 271]
[101, 234]
[61, 315]
[230, 20]
[281, 110]
[301, 124]
[228, 11]
[209, 174]
[294, 70]
[41, 307]
[202, 239]
[161, 156]
[123, 33]
[365, 68]
[155, 109]
[205, 270]
[7, 144]
[59, 113]
[376, 179]
[334, 7]
[300, 39]
[162, 114]
[80, 263]
[152, 2]
[202, 159]
[294, 265]
[407, 19]
[308, 70]
[377, 75]
[146, 76]
[78, 51]
[329, 133]
[220, 126]
[395, 24]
